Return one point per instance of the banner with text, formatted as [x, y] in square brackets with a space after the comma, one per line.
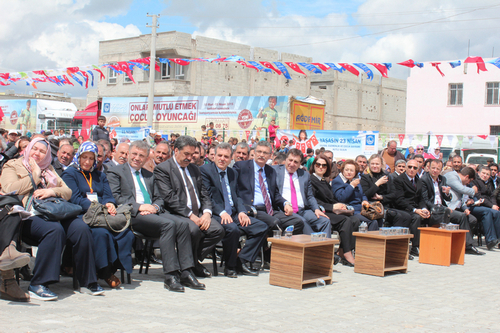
[343, 144]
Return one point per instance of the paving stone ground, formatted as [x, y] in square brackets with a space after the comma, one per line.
[426, 299]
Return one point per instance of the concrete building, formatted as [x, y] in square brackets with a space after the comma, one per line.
[352, 103]
[461, 102]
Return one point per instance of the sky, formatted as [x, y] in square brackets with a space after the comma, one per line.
[46, 34]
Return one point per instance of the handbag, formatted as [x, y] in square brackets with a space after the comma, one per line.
[53, 208]
[97, 216]
[346, 212]
[373, 211]
[439, 214]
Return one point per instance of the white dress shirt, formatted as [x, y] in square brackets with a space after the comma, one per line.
[287, 190]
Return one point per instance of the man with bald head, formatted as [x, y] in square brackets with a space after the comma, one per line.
[121, 153]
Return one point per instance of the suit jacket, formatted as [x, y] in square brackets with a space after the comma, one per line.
[211, 181]
[171, 188]
[428, 193]
[457, 189]
[57, 166]
[407, 196]
[246, 184]
[305, 186]
[485, 191]
[123, 189]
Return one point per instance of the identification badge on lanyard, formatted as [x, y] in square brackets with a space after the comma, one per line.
[92, 196]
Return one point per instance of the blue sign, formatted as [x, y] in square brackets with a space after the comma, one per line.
[106, 108]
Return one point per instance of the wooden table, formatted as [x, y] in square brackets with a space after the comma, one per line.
[297, 261]
[442, 247]
[377, 254]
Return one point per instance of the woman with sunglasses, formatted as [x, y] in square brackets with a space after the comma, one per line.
[322, 191]
[379, 186]
[347, 189]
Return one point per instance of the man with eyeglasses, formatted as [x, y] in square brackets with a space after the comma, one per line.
[258, 188]
[391, 154]
[408, 188]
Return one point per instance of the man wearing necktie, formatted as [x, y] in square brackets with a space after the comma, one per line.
[180, 187]
[229, 210]
[257, 187]
[132, 184]
[295, 186]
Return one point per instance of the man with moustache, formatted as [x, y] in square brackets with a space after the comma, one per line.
[64, 158]
[181, 188]
[120, 154]
[161, 153]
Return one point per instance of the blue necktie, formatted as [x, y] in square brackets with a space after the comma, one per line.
[227, 203]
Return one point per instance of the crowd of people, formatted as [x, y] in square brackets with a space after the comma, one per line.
[191, 195]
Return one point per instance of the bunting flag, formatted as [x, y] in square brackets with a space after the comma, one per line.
[454, 64]
[321, 66]
[125, 67]
[382, 68]
[260, 67]
[164, 61]
[420, 137]
[460, 139]
[471, 139]
[283, 69]
[270, 66]
[484, 137]
[295, 67]
[310, 67]
[73, 76]
[334, 67]
[493, 140]
[383, 138]
[436, 64]
[91, 74]
[234, 58]
[410, 138]
[478, 61]
[411, 63]
[99, 71]
[440, 139]
[401, 139]
[365, 68]
[241, 62]
[180, 61]
[350, 69]
[495, 62]
[450, 139]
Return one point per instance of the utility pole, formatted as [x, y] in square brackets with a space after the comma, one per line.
[152, 65]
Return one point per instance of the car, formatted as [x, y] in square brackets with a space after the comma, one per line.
[479, 158]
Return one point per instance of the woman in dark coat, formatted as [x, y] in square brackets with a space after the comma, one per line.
[112, 250]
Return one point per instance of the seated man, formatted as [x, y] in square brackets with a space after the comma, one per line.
[487, 211]
[230, 212]
[64, 158]
[181, 187]
[435, 191]
[134, 185]
[240, 153]
[362, 162]
[400, 168]
[120, 154]
[295, 186]
[408, 188]
[257, 184]
[161, 153]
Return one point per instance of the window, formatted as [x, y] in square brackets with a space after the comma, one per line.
[494, 130]
[179, 72]
[111, 76]
[126, 79]
[167, 72]
[456, 94]
[492, 93]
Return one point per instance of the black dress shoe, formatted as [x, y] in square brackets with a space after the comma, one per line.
[336, 259]
[346, 263]
[190, 281]
[414, 251]
[172, 283]
[201, 271]
[492, 244]
[474, 250]
[246, 270]
[231, 273]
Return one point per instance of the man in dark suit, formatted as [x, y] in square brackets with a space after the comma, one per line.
[132, 184]
[408, 188]
[64, 158]
[257, 187]
[436, 192]
[184, 196]
[295, 186]
[229, 210]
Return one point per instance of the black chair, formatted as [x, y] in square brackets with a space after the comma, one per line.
[147, 250]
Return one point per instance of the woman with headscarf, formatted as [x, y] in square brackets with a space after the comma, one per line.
[49, 236]
[112, 250]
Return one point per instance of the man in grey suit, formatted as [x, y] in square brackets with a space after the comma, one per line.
[295, 186]
[181, 188]
[131, 184]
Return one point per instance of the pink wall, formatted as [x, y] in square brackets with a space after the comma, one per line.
[427, 100]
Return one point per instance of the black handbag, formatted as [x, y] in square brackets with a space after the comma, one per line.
[439, 214]
[54, 209]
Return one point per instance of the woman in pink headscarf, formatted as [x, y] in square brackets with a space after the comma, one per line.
[50, 236]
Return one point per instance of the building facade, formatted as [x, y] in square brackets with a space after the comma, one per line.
[462, 102]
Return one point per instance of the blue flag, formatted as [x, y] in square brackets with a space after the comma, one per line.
[495, 62]
[283, 69]
[334, 67]
[419, 64]
[164, 61]
[310, 67]
[454, 64]
[234, 58]
[259, 66]
[92, 74]
[388, 65]
[365, 69]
